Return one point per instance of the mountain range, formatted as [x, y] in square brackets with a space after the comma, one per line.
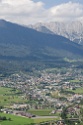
[26, 49]
[71, 30]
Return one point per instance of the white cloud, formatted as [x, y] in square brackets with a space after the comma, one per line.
[67, 11]
[27, 11]
[20, 10]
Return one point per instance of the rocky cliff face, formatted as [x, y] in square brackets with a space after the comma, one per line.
[70, 30]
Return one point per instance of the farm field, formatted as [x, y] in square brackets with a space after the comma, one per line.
[75, 81]
[4, 91]
[19, 120]
[42, 112]
[9, 96]
[77, 91]
[44, 120]
[15, 120]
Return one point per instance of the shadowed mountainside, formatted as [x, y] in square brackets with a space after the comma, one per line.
[23, 48]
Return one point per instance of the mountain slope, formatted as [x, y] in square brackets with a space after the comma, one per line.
[19, 37]
[71, 30]
[23, 48]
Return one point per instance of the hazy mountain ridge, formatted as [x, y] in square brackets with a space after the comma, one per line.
[31, 42]
[23, 48]
[71, 30]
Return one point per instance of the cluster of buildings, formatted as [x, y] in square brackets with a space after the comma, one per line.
[48, 90]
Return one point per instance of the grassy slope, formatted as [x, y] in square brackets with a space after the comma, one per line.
[15, 120]
[18, 120]
[78, 90]
[41, 112]
[44, 120]
[8, 97]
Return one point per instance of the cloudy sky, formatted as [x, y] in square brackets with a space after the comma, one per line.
[33, 11]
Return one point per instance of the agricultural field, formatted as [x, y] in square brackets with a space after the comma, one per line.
[78, 90]
[15, 120]
[44, 120]
[5, 91]
[43, 112]
[74, 81]
[10, 96]
[19, 120]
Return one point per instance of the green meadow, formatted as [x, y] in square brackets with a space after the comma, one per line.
[4, 91]
[15, 120]
[19, 120]
[75, 81]
[10, 96]
[44, 120]
[43, 112]
[77, 91]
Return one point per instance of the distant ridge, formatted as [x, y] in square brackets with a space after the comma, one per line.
[71, 30]
[36, 42]
[23, 48]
